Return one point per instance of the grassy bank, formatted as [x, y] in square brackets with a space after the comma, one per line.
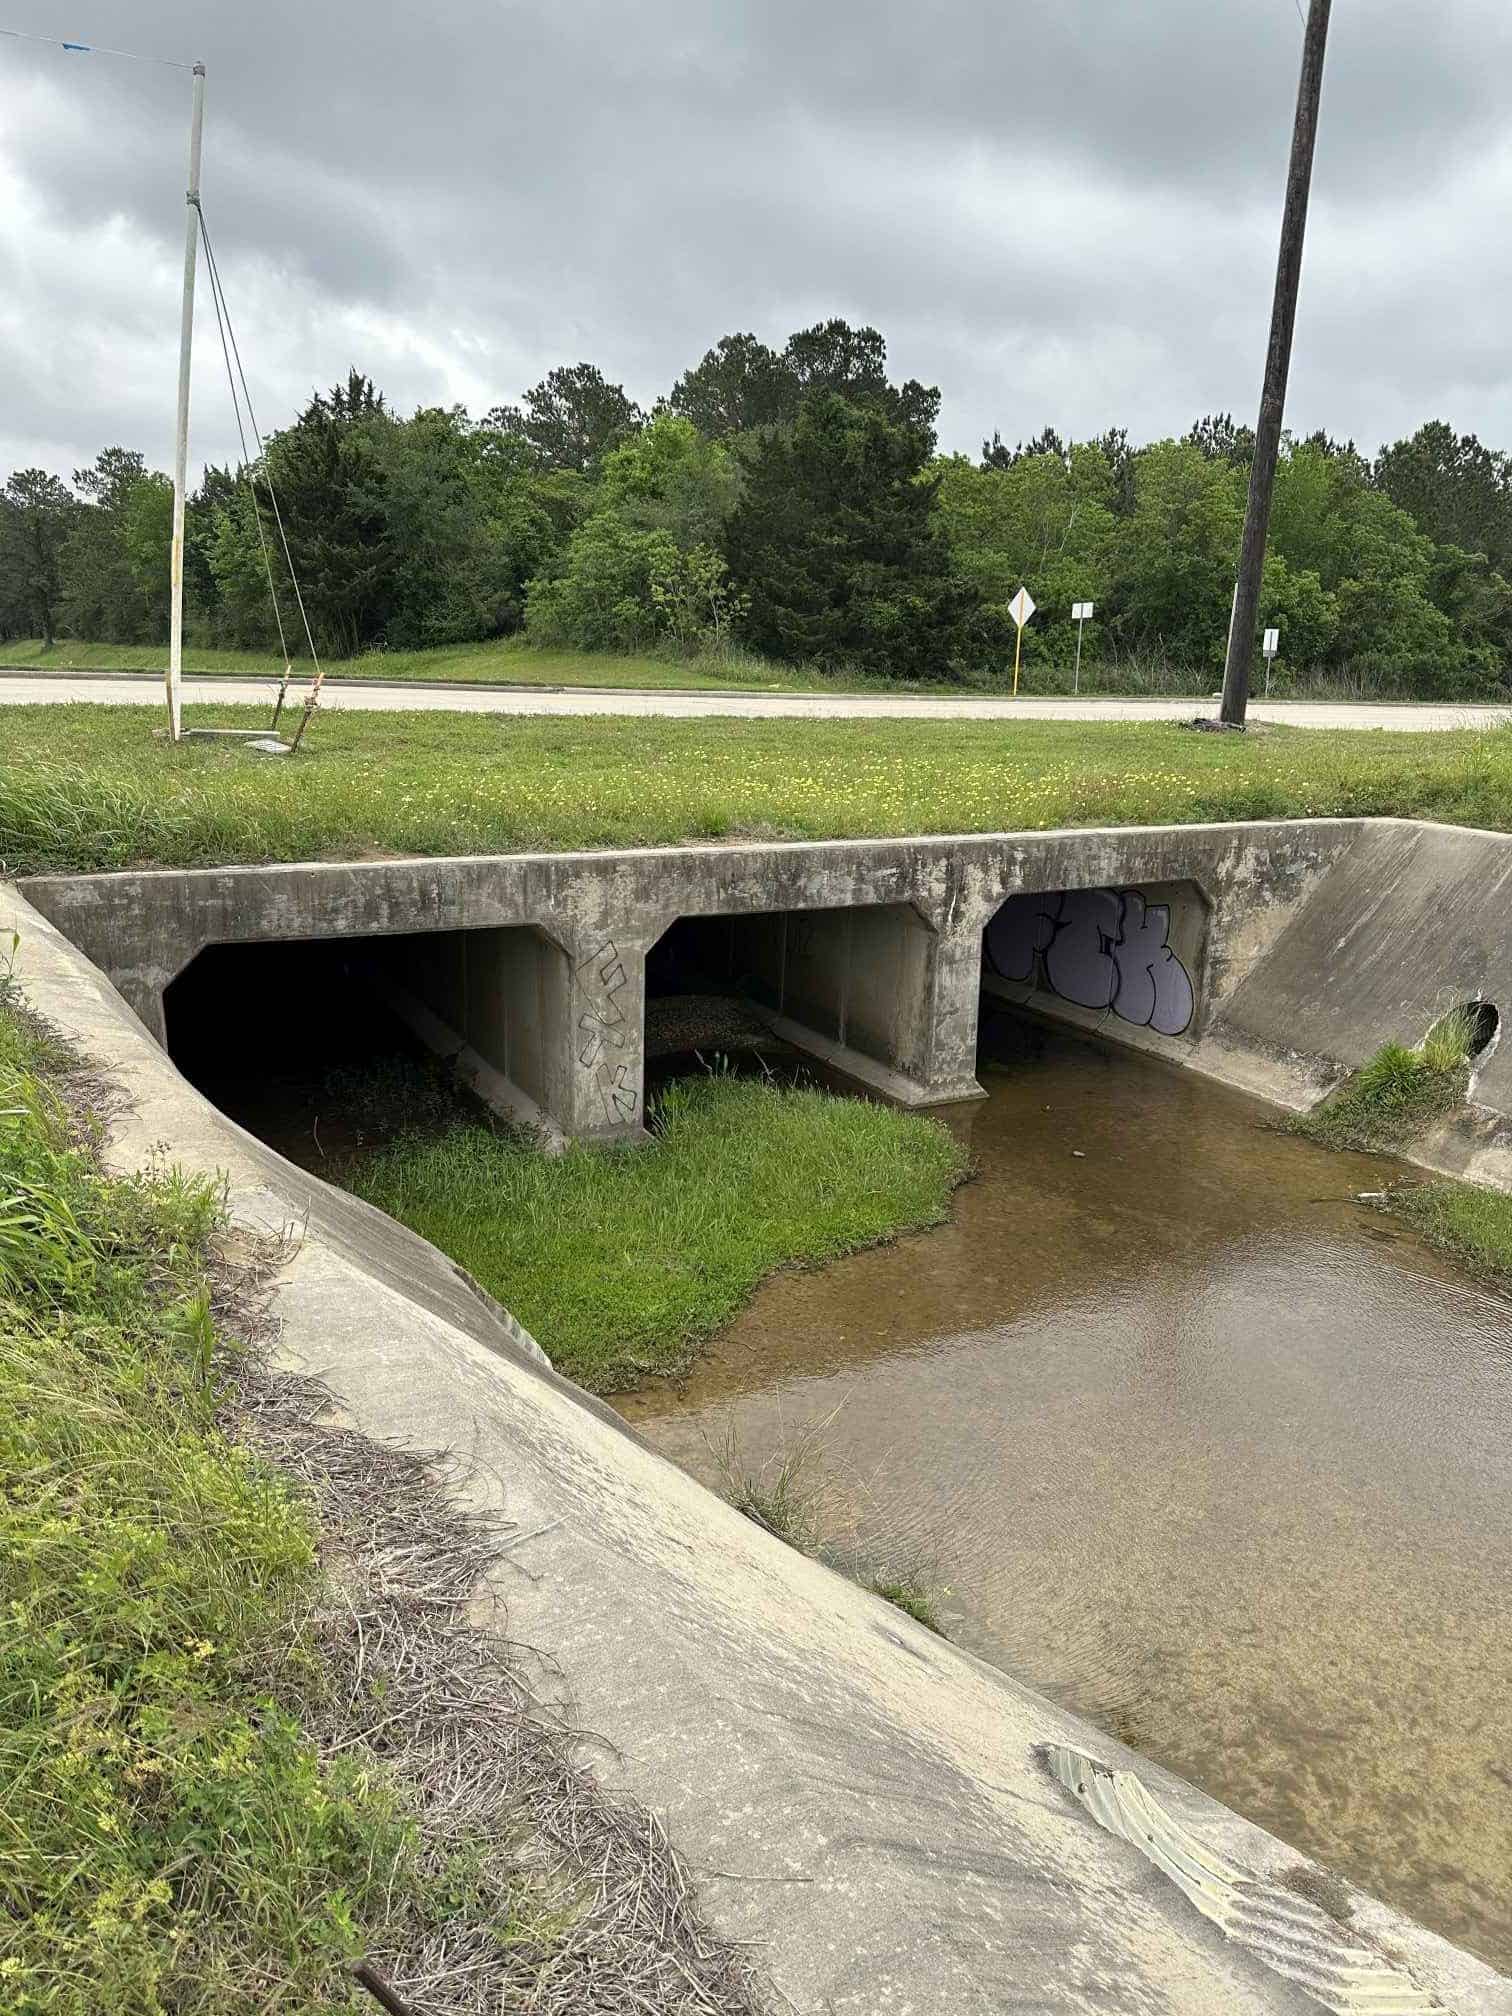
[1471, 1224]
[226, 1783]
[621, 1260]
[507, 662]
[87, 787]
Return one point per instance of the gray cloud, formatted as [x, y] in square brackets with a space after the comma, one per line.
[1063, 212]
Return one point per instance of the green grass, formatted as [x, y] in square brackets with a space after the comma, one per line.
[88, 787]
[508, 662]
[621, 1260]
[170, 1839]
[1398, 1093]
[1461, 1219]
[915, 1598]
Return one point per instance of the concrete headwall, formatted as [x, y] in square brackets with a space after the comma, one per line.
[867, 1804]
[1274, 955]
[869, 951]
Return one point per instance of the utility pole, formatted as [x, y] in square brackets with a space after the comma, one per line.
[1241, 643]
[181, 440]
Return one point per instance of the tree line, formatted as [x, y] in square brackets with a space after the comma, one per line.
[790, 502]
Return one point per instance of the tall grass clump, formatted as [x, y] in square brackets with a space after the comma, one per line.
[1399, 1092]
[621, 1259]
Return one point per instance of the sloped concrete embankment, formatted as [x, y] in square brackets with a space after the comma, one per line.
[875, 1808]
[1410, 920]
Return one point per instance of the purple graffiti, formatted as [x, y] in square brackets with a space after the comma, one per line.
[1098, 948]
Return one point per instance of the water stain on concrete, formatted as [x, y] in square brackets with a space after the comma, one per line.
[1187, 1446]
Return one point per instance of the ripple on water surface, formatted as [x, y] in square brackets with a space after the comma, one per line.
[1195, 1444]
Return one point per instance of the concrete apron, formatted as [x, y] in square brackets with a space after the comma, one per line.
[879, 1811]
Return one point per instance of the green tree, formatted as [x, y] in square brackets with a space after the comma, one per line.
[571, 419]
[648, 557]
[1039, 521]
[602, 598]
[330, 474]
[37, 513]
[671, 478]
[838, 544]
[1456, 490]
[466, 530]
[1173, 557]
[737, 387]
[852, 363]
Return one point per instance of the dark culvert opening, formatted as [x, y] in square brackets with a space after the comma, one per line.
[297, 1043]
[704, 1003]
[1482, 1024]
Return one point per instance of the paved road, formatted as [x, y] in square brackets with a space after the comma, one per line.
[396, 697]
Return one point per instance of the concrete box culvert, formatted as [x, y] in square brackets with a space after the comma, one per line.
[1304, 944]
[868, 1804]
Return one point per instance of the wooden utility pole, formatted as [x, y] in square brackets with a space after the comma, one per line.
[1241, 643]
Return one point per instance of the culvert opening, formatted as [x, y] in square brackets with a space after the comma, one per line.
[820, 995]
[328, 1049]
[1125, 960]
[1476, 1023]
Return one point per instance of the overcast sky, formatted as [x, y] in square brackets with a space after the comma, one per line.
[1059, 212]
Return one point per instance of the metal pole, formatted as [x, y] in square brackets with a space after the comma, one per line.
[1018, 645]
[181, 439]
[1080, 626]
[1241, 641]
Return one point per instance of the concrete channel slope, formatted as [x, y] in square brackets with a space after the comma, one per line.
[898, 1827]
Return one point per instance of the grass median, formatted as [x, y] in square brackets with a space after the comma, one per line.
[88, 787]
[503, 662]
[621, 1260]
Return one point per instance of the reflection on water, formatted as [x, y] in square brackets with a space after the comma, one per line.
[1195, 1444]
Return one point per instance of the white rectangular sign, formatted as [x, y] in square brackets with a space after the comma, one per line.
[1021, 608]
[1272, 643]
[1081, 612]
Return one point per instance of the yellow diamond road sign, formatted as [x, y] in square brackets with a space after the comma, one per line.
[1021, 608]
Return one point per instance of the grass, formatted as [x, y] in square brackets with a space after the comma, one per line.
[1399, 1092]
[88, 787]
[171, 1839]
[621, 1260]
[785, 1496]
[224, 1781]
[508, 662]
[1461, 1219]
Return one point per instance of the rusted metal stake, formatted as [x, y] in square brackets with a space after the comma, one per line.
[380, 1991]
[309, 708]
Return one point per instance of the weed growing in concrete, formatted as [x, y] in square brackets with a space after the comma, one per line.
[916, 1599]
[787, 1496]
[1399, 1092]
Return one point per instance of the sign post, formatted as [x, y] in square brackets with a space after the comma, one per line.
[1080, 613]
[1270, 647]
[1021, 608]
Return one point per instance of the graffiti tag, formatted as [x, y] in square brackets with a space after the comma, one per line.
[603, 1030]
[1098, 948]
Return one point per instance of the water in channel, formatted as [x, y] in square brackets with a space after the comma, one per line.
[1189, 1440]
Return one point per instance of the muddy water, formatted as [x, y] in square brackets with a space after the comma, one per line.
[1192, 1442]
